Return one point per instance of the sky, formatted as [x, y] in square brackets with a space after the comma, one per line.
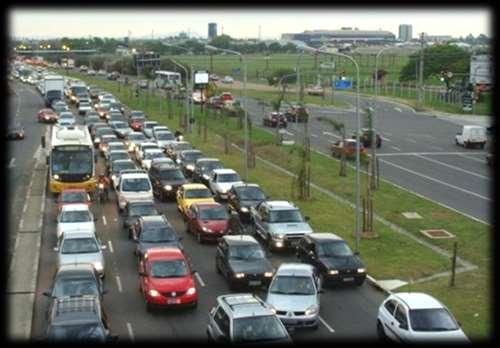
[242, 22]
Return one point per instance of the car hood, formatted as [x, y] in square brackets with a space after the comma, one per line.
[215, 225]
[145, 246]
[441, 336]
[225, 185]
[290, 228]
[164, 143]
[80, 258]
[75, 226]
[173, 182]
[190, 201]
[180, 284]
[341, 263]
[250, 202]
[251, 266]
[293, 303]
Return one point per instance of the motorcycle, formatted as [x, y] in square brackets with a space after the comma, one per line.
[102, 192]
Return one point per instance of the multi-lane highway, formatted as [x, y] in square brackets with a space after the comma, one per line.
[346, 312]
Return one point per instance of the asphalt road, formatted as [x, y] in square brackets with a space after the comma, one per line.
[346, 313]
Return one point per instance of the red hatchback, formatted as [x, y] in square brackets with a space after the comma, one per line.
[207, 221]
[47, 115]
[166, 279]
[73, 196]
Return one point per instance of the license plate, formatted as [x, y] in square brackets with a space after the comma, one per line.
[254, 282]
[173, 301]
[348, 279]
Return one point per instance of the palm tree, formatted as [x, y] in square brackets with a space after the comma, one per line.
[339, 128]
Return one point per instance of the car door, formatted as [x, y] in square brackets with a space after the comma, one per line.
[387, 318]
[261, 223]
[155, 180]
[220, 325]
[401, 328]
[213, 182]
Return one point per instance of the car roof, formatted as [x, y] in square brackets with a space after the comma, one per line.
[194, 186]
[279, 205]
[155, 219]
[167, 252]
[207, 159]
[75, 207]
[141, 175]
[79, 234]
[245, 184]
[295, 269]
[154, 150]
[190, 151]
[245, 305]
[75, 267]
[224, 171]
[240, 239]
[324, 236]
[418, 300]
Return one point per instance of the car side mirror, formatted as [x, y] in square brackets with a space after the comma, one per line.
[56, 249]
[311, 253]
[96, 218]
[47, 293]
[459, 323]
[321, 291]
[104, 247]
[180, 238]
[307, 218]
[193, 271]
[142, 274]
[403, 326]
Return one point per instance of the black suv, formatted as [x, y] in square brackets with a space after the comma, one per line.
[242, 261]
[134, 210]
[332, 257]
[166, 180]
[153, 231]
[203, 167]
[365, 137]
[242, 197]
[78, 318]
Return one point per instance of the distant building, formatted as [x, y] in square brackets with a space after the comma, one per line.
[320, 37]
[122, 50]
[212, 30]
[437, 38]
[405, 32]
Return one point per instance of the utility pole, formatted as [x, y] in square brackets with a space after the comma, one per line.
[421, 72]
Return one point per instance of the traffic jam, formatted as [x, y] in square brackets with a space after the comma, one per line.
[165, 202]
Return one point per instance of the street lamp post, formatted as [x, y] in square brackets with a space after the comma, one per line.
[242, 57]
[358, 126]
[186, 121]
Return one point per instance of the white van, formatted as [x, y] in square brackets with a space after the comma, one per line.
[471, 136]
[134, 186]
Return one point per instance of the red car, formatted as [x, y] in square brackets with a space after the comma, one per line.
[73, 196]
[136, 123]
[207, 221]
[274, 119]
[47, 115]
[166, 279]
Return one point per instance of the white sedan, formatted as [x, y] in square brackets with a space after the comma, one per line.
[75, 218]
[221, 181]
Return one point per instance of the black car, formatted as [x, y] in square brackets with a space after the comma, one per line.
[78, 318]
[15, 132]
[166, 180]
[134, 210]
[243, 262]
[203, 167]
[242, 197]
[365, 137]
[332, 257]
[153, 231]
[186, 159]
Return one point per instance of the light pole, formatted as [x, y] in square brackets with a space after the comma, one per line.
[299, 84]
[186, 121]
[358, 126]
[242, 57]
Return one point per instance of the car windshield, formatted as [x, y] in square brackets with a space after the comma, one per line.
[116, 146]
[174, 174]
[180, 147]
[208, 167]
[292, 285]
[334, 249]
[120, 125]
[79, 246]
[67, 160]
[246, 252]
[142, 210]
[105, 131]
[251, 194]
[281, 216]
[258, 328]
[153, 154]
[84, 332]
[137, 136]
[74, 197]
[198, 193]
[228, 177]
[136, 113]
[75, 216]
[120, 156]
[157, 234]
[72, 286]
[138, 119]
[85, 104]
[118, 167]
[169, 269]
[150, 125]
[433, 319]
[165, 136]
[136, 184]
[214, 213]
[192, 156]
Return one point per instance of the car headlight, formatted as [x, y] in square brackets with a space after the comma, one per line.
[244, 210]
[168, 187]
[361, 270]
[178, 161]
[205, 176]
[97, 139]
[205, 229]
[153, 293]
[191, 291]
[333, 272]
[311, 310]
[131, 147]
[190, 167]
[98, 266]
[223, 191]
[101, 186]
[239, 275]
[113, 177]
[56, 177]
[268, 274]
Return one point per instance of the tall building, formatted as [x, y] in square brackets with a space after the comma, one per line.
[212, 30]
[405, 32]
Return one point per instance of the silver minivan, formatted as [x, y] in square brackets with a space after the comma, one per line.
[294, 295]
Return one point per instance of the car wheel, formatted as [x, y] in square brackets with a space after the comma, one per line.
[359, 282]
[316, 326]
[380, 331]
[195, 304]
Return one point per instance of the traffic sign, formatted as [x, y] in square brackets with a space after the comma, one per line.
[342, 84]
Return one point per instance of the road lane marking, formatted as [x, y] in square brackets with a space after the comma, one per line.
[119, 283]
[474, 159]
[395, 148]
[454, 167]
[130, 332]
[411, 140]
[436, 147]
[12, 163]
[199, 279]
[110, 246]
[398, 109]
[325, 323]
[424, 153]
[332, 135]
[385, 139]
[104, 220]
[314, 135]
[436, 180]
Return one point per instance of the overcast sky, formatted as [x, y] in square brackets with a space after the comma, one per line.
[241, 22]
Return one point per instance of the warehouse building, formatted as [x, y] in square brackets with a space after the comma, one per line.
[345, 35]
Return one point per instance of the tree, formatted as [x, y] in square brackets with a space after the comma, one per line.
[436, 59]
[340, 128]
[276, 75]
[221, 41]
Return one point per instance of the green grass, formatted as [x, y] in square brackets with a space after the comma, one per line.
[391, 255]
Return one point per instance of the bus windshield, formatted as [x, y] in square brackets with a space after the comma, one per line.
[72, 160]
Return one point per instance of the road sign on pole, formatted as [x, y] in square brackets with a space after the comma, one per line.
[342, 84]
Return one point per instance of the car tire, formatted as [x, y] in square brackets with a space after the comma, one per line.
[380, 331]
[359, 282]
[315, 327]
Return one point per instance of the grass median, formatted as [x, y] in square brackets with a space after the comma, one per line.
[392, 255]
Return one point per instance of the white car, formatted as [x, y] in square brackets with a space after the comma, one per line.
[163, 138]
[75, 218]
[227, 79]
[470, 136]
[415, 317]
[101, 72]
[133, 187]
[66, 119]
[221, 181]
[91, 72]
[139, 150]
[157, 129]
[83, 108]
[148, 156]
[147, 128]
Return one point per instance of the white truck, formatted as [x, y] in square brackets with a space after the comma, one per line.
[52, 88]
[471, 135]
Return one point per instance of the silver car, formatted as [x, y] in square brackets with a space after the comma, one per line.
[80, 247]
[294, 295]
